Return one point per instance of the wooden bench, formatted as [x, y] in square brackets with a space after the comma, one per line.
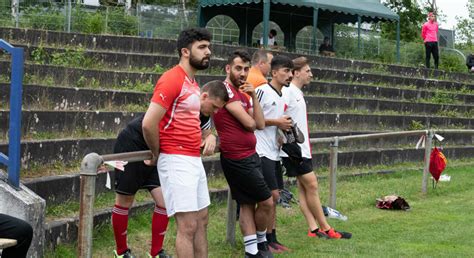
[6, 242]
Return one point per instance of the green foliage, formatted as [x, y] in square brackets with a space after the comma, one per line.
[158, 69]
[39, 55]
[451, 62]
[121, 23]
[416, 125]
[46, 18]
[411, 19]
[87, 21]
[441, 97]
[73, 58]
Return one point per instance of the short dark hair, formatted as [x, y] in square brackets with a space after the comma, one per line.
[299, 63]
[273, 32]
[260, 55]
[189, 36]
[216, 89]
[280, 61]
[243, 54]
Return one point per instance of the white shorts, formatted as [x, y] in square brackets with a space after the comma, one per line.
[183, 183]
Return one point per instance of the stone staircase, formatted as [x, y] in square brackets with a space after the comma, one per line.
[71, 109]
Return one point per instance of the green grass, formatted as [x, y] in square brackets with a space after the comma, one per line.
[438, 225]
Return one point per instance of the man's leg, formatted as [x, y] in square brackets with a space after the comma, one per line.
[309, 185]
[200, 238]
[427, 54]
[187, 224]
[304, 208]
[120, 221]
[19, 230]
[247, 227]
[159, 222]
[435, 55]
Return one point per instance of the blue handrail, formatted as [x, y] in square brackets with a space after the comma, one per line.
[12, 161]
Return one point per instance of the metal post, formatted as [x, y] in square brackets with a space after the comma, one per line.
[266, 22]
[69, 7]
[231, 218]
[359, 21]
[13, 160]
[333, 172]
[398, 41]
[426, 168]
[315, 30]
[89, 167]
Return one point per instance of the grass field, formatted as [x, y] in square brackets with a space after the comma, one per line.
[438, 225]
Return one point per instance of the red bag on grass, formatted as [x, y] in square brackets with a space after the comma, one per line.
[437, 163]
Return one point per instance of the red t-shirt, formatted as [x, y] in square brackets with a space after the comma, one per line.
[235, 142]
[180, 131]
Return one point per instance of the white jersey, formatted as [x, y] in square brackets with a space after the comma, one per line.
[294, 98]
[273, 107]
[271, 41]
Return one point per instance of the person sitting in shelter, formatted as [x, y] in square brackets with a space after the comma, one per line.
[326, 49]
[271, 39]
[470, 62]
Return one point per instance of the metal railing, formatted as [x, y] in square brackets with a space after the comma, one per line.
[12, 161]
[92, 161]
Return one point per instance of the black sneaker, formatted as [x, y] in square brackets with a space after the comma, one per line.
[257, 255]
[264, 250]
[161, 254]
[127, 254]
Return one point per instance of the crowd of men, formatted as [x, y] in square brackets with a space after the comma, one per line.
[261, 126]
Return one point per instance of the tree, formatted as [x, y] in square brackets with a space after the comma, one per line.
[412, 17]
[464, 27]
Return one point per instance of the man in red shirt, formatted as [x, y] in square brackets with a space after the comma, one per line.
[429, 33]
[171, 128]
[235, 124]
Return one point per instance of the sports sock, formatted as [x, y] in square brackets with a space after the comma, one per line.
[159, 223]
[120, 224]
[250, 243]
[261, 236]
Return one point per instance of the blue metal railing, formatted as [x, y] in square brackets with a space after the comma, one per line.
[12, 161]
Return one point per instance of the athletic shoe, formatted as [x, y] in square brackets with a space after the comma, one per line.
[127, 254]
[280, 246]
[311, 234]
[257, 255]
[161, 254]
[274, 248]
[333, 234]
[264, 250]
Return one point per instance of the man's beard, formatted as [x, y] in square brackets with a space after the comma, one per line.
[235, 81]
[199, 64]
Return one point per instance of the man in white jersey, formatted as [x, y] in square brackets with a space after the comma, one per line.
[268, 147]
[302, 169]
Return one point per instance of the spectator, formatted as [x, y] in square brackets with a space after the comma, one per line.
[271, 39]
[470, 62]
[260, 68]
[429, 33]
[326, 48]
[19, 230]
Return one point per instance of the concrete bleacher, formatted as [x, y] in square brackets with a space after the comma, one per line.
[81, 109]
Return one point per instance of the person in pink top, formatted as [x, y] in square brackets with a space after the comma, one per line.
[429, 33]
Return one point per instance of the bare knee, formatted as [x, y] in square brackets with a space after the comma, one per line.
[275, 196]
[266, 205]
[203, 218]
[187, 226]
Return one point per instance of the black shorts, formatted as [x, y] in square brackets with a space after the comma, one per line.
[245, 179]
[136, 175]
[272, 173]
[293, 169]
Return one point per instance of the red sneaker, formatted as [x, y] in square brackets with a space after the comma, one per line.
[333, 234]
[274, 248]
[311, 234]
[280, 246]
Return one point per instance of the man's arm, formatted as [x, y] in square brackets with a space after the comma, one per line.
[208, 142]
[256, 111]
[150, 128]
[284, 122]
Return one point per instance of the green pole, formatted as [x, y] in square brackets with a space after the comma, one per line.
[266, 21]
[398, 41]
[315, 28]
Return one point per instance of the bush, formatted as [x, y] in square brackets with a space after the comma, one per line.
[88, 22]
[45, 18]
[121, 23]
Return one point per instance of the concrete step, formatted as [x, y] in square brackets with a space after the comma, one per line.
[36, 121]
[349, 89]
[67, 151]
[64, 76]
[64, 98]
[69, 98]
[145, 45]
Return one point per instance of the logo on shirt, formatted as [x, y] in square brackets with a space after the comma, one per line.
[229, 91]
[274, 103]
[298, 100]
[162, 96]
